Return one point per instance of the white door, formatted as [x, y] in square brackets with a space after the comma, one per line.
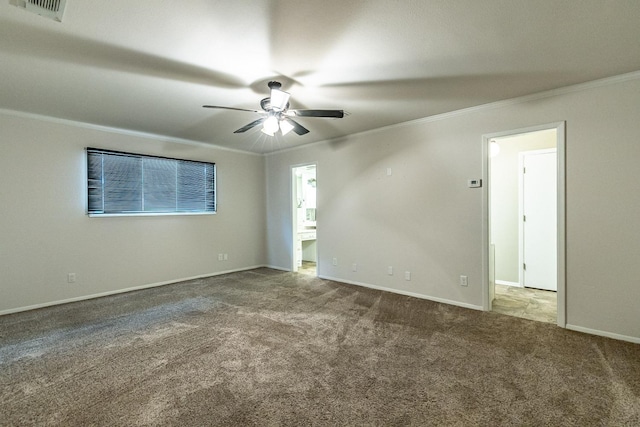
[539, 227]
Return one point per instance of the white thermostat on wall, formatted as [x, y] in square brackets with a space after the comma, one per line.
[474, 183]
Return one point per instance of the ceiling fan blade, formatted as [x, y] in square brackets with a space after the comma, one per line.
[297, 127]
[230, 108]
[250, 125]
[338, 114]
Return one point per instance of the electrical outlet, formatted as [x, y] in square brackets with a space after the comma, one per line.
[390, 271]
[354, 267]
[220, 257]
[335, 261]
[464, 281]
[407, 275]
[71, 278]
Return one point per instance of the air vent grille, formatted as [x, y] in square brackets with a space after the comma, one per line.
[51, 5]
[52, 9]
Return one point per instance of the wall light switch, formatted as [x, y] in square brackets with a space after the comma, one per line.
[474, 183]
[388, 171]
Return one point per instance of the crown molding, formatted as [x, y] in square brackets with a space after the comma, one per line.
[607, 81]
[120, 131]
[436, 117]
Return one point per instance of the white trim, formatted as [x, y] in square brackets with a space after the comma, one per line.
[532, 97]
[121, 291]
[606, 81]
[275, 267]
[109, 215]
[401, 292]
[506, 283]
[635, 340]
[487, 293]
[590, 331]
[525, 130]
[128, 132]
[561, 175]
[561, 213]
[436, 117]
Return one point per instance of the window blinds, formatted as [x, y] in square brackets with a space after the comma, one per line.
[126, 183]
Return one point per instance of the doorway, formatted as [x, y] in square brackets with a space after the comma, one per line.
[304, 208]
[524, 228]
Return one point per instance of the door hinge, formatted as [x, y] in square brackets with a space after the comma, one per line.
[524, 266]
[524, 170]
[524, 218]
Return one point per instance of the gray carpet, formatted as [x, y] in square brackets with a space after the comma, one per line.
[270, 348]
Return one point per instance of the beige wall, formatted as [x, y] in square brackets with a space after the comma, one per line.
[424, 219]
[504, 198]
[45, 232]
[421, 219]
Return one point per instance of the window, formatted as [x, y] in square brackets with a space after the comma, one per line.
[130, 184]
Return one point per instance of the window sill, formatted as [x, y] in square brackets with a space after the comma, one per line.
[110, 215]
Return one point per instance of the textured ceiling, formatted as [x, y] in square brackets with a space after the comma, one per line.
[150, 65]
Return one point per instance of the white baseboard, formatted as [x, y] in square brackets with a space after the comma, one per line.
[506, 283]
[635, 340]
[275, 267]
[407, 293]
[120, 291]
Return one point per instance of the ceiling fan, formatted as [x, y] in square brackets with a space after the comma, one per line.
[276, 115]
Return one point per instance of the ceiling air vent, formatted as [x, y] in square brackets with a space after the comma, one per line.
[52, 9]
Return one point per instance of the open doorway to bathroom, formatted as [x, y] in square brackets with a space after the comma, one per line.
[526, 223]
[304, 204]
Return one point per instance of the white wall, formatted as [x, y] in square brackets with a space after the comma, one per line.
[424, 219]
[505, 219]
[45, 232]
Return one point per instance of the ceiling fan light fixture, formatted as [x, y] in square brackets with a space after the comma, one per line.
[275, 114]
[270, 125]
[285, 127]
[279, 99]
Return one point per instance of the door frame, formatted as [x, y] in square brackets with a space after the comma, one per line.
[561, 213]
[293, 187]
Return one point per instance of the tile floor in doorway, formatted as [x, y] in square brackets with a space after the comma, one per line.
[308, 267]
[533, 304]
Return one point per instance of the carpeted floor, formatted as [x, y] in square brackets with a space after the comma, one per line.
[271, 348]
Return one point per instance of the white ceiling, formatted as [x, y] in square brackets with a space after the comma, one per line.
[150, 65]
